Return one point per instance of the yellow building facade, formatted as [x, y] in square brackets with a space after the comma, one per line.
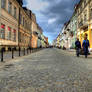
[58, 41]
[84, 14]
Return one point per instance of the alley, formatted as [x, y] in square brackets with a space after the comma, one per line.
[49, 70]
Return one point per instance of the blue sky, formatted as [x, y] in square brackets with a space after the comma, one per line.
[51, 14]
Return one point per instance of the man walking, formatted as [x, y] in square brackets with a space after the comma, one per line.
[78, 47]
[85, 45]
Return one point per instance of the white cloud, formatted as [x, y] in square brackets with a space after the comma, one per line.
[36, 5]
[52, 20]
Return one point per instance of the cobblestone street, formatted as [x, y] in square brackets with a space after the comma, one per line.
[49, 70]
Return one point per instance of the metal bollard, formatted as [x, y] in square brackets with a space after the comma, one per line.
[24, 51]
[27, 50]
[19, 51]
[2, 55]
[12, 53]
[30, 50]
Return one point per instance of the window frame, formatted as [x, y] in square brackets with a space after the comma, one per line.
[15, 12]
[9, 7]
[3, 4]
[2, 31]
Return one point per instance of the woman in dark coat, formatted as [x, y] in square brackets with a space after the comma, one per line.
[78, 47]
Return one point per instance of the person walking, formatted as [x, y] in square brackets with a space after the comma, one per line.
[78, 47]
[85, 45]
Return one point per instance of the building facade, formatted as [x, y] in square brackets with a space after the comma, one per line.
[18, 26]
[79, 24]
[73, 29]
[40, 32]
[84, 12]
[25, 29]
[34, 32]
[9, 11]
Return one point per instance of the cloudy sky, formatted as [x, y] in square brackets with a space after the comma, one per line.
[51, 14]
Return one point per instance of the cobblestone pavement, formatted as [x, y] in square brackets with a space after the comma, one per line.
[49, 70]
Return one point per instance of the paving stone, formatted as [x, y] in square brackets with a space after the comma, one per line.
[49, 70]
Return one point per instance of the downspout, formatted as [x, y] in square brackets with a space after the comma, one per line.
[0, 21]
[0, 8]
[19, 28]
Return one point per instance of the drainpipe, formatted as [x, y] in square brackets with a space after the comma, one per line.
[19, 29]
[0, 22]
[0, 8]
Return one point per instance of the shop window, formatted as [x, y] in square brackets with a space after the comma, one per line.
[2, 31]
[14, 35]
[3, 4]
[9, 33]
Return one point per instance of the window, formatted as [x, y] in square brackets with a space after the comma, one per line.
[2, 31]
[20, 19]
[85, 16]
[14, 12]
[25, 24]
[10, 7]
[3, 4]
[91, 13]
[14, 35]
[9, 33]
[78, 11]
[23, 21]
[81, 8]
[84, 2]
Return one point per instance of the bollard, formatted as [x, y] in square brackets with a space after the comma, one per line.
[1, 55]
[24, 51]
[12, 53]
[27, 50]
[19, 51]
[30, 50]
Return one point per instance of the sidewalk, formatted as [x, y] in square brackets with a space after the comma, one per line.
[73, 52]
[7, 56]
